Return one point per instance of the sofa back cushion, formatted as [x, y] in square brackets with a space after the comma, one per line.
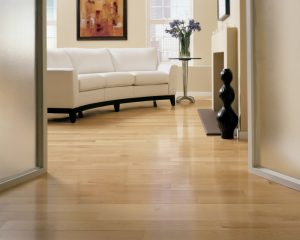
[57, 58]
[134, 59]
[97, 60]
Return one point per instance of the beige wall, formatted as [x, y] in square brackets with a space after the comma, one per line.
[199, 79]
[204, 11]
[66, 26]
[276, 81]
[237, 19]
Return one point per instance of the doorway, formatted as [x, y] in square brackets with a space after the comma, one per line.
[22, 122]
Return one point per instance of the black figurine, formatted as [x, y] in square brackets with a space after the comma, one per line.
[227, 119]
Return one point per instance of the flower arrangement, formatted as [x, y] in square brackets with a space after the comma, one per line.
[183, 32]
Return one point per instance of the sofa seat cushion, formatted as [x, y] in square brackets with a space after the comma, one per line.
[150, 78]
[92, 81]
[118, 79]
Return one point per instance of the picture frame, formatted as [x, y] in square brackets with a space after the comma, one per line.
[223, 9]
[101, 20]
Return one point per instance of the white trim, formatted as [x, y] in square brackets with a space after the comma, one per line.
[253, 166]
[196, 94]
[22, 178]
[249, 9]
[277, 177]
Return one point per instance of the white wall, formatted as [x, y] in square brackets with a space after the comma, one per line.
[276, 86]
[204, 11]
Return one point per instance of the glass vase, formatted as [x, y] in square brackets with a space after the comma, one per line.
[184, 46]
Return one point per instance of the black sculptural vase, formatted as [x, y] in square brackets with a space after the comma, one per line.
[226, 117]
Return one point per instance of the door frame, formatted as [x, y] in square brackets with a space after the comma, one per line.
[41, 124]
[253, 158]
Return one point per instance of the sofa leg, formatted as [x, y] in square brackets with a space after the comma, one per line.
[80, 114]
[72, 116]
[173, 101]
[117, 107]
[154, 103]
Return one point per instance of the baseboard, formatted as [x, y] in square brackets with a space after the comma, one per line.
[195, 94]
[22, 178]
[277, 177]
[242, 135]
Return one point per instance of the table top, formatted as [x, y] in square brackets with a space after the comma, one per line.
[184, 58]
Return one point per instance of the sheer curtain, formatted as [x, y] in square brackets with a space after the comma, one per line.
[51, 24]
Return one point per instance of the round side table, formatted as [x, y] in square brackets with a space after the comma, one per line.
[185, 78]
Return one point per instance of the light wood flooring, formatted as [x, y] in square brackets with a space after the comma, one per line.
[147, 174]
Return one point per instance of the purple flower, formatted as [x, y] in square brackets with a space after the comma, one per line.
[174, 24]
[179, 29]
[194, 26]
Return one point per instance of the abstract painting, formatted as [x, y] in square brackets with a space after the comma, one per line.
[101, 19]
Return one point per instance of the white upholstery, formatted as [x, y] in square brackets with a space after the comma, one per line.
[150, 78]
[151, 90]
[78, 77]
[90, 60]
[118, 79]
[88, 97]
[172, 71]
[91, 81]
[57, 58]
[134, 59]
[61, 86]
[118, 93]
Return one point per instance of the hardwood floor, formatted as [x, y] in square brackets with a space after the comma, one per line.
[147, 174]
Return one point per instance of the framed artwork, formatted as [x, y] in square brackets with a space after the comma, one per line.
[223, 9]
[101, 19]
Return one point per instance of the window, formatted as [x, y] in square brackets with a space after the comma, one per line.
[51, 23]
[161, 13]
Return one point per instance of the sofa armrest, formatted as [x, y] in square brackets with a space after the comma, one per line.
[61, 87]
[172, 70]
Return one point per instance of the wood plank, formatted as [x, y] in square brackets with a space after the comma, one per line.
[144, 174]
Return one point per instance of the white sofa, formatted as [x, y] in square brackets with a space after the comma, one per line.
[79, 79]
